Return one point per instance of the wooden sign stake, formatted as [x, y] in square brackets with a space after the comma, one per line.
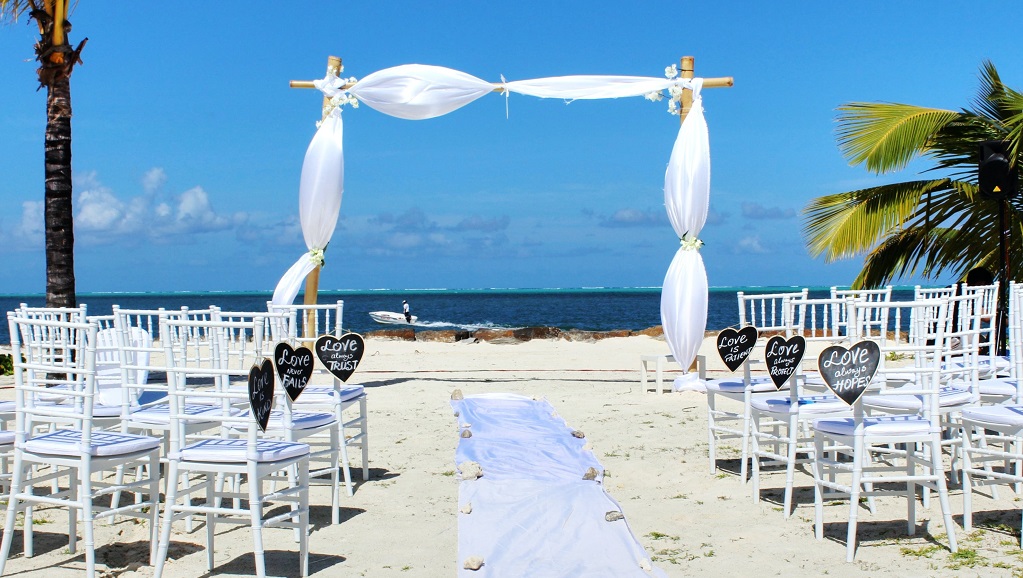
[312, 281]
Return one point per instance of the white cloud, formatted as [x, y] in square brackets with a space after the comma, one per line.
[30, 230]
[750, 245]
[405, 240]
[153, 180]
[634, 218]
[195, 214]
[102, 217]
[98, 210]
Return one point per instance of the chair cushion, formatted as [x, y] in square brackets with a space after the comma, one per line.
[6, 437]
[323, 394]
[948, 396]
[1010, 415]
[887, 425]
[805, 404]
[893, 375]
[299, 420]
[998, 387]
[98, 410]
[236, 450]
[104, 443]
[984, 364]
[736, 385]
[159, 414]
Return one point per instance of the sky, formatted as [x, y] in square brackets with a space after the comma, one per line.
[188, 142]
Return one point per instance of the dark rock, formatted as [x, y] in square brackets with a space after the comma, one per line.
[462, 335]
[403, 334]
[529, 333]
[655, 331]
[448, 335]
[493, 334]
[608, 334]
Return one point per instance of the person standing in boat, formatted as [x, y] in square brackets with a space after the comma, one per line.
[405, 310]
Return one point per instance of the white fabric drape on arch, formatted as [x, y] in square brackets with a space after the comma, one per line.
[420, 91]
[319, 202]
[416, 92]
[686, 198]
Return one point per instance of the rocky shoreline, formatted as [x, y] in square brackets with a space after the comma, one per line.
[508, 335]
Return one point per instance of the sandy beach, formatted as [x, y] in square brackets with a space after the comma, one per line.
[403, 521]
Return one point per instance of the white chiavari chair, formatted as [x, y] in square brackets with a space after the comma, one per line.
[768, 312]
[992, 441]
[203, 463]
[316, 424]
[49, 352]
[866, 295]
[859, 456]
[348, 403]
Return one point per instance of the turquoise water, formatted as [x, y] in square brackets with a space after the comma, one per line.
[588, 309]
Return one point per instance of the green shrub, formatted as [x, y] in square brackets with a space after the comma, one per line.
[6, 364]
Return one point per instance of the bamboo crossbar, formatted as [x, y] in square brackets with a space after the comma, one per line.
[718, 82]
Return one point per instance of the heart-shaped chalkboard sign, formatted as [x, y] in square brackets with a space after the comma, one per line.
[261, 392]
[848, 371]
[783, 356]
[735, 346]
[340, 355]
[294, 367]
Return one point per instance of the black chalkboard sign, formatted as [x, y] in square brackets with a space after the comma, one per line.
[294, 368]
[848, 371]
[261, 392]
[783, 356]
[340, 355]
[735, 346]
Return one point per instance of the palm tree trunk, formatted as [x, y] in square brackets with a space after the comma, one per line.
[60, 234]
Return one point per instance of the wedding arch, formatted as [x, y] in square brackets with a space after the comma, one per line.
[417, 92]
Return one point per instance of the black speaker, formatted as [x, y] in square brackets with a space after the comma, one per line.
[996, 178]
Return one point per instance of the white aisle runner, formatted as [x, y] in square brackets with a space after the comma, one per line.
[532, 513]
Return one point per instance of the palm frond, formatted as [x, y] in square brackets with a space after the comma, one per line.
[1012, 103]
[927, 228]
[929, 254]
[886, 136]
[847, 224]
[955, 146]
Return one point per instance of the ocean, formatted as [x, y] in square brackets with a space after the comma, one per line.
[598, 309]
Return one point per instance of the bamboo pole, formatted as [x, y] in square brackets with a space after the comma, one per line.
[716, 82]
[312, 281]
[688, 70]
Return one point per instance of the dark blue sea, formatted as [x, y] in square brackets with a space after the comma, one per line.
[585, 309]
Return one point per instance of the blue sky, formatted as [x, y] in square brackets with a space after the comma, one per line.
[188, 142]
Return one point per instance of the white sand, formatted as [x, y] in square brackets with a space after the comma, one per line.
[403, 522]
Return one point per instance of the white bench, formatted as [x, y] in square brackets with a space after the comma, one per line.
[659, 361]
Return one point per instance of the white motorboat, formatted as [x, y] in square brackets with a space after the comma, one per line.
[390, 317]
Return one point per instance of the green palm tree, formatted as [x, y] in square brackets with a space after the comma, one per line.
[923, 227]
[56, 59]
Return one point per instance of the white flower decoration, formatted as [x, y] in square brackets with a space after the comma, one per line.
[690, 243]
[674, 91]
[334, 87]
[316, 255]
